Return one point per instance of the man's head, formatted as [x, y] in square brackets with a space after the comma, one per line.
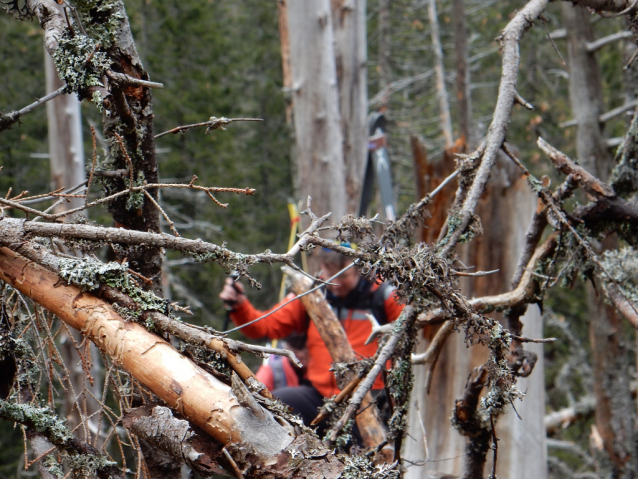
[331, 264]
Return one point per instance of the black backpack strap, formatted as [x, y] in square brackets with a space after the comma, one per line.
[379, 297]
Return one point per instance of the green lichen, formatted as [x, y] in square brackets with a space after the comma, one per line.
[79, 61]
[473, 229]
[41, 419]
[53, 466]
[88, 274]
[135, 199]
[205, 356]
[535, 184]
[98, 101]
[622, 267]
[100, 19]
[359, 467]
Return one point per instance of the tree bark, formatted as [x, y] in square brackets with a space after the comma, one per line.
[321, 168]
[349, 25]
[505, 209]
[463, 97]
[439, 67]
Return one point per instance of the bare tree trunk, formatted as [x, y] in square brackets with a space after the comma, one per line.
[66, 151]
[384, 51]
[615, 410]
[441, 90]
[282, 7]
[505, 210]
[349, 24]
[321, 168]
[66, 156]
[463, 97]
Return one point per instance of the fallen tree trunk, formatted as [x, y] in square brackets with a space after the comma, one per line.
[253, 437]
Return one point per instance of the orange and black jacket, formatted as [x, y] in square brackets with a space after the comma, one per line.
[351, 311]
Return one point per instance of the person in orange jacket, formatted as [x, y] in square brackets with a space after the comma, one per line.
[351, 297]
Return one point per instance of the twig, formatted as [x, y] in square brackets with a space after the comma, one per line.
[106, 199]
[476, 274]
[213, 124]
[8, 119]
[402, 324]
[124, 79]
[171, 225]
[253, 348]
[436, 345]
[425, 437]
[523, 339]
[494, 447]
[325, 411]
[120, 141]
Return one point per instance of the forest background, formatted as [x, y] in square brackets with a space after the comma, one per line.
[223, 59]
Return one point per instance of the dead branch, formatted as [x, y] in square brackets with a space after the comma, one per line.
[436, 345]
[51, 21]
[8, 119]
[622, 304]
[586, 180]
[605, 117]
[509, 40]
[564, 417]
[469, 423]
[193, 335]
[128, 80]
[401, 325]
[213, 124]
[42, 420]
[614, 6]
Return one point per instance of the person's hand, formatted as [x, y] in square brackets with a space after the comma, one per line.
[233, 293]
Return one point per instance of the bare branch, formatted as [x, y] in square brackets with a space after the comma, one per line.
[8, 119]
[601, 42]
[605, 117]
[51, 20]
[128, 80]
[213, 124]
[509, 40]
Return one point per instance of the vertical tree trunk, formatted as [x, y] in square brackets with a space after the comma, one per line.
[349, 24]
[384, 51]
[66, 151]
[615, 410]
[321, 169]
[505, 210]
[128, 111]
[441, 90]
[462, 71]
